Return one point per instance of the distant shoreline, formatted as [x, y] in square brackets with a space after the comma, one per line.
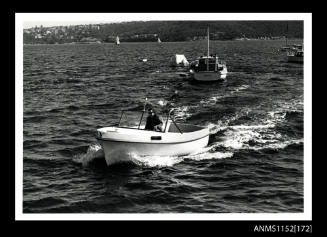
[144, 42]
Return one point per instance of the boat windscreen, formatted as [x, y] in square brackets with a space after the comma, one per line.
[183, 128]
[132, 119]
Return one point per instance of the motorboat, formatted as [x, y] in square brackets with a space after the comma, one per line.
[208, 68]
[294, 53]
[295, 56]
[176, 139]
[286, 47]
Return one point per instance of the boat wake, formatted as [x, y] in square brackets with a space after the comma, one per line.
[94, 151]
[185, 112]
[261, 135]
[216, 97]
[207, 153]
[253, 138]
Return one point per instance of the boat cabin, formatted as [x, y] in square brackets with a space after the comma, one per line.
[203, 62]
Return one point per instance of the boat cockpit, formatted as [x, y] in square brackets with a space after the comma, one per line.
[137, 120]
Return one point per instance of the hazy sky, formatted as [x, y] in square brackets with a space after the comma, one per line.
[30, 24]
[63, 19]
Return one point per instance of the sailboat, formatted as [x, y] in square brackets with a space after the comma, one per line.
[208, 68]
[295, 53]
[159, 41]
[286, 47]
[117, 41]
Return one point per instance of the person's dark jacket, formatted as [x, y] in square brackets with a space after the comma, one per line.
[152, 121]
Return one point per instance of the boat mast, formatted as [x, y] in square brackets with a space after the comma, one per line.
[208, 52]
[208, 42]
[286, 33]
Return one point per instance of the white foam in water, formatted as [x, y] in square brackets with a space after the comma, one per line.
[238, 136]
[93, 152]
[207, 154]
[222, 124]
[155, 161]
[277, 115]
[162, 102]
[168, 161]
[213, 99]
[278, 145]
[242, 87]
[252, 127]
[183, 112]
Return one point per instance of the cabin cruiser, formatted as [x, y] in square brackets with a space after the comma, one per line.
[130, 137]
[208, 68]
[295, 55]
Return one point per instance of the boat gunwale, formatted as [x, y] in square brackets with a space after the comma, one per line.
[136, 128]
[113, 140]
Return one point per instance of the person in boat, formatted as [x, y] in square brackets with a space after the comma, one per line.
[153, 122]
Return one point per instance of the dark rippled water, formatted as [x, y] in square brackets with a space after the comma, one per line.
[254, 161]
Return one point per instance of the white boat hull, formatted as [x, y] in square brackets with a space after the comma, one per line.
[119, 144]
[210, 75]
[122, 151]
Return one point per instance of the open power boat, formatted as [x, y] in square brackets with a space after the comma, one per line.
[175, 139]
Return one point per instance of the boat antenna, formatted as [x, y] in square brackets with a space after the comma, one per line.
[146, 99]
[142, 113]
[208, 43]
[286, 33]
